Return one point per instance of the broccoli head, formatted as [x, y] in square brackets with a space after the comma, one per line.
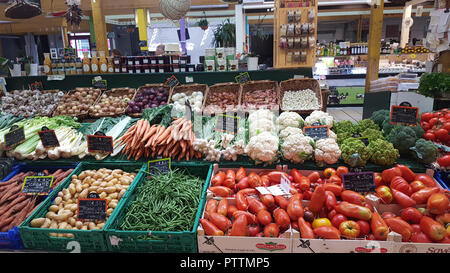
[364, 124]
[372, 134]
[418, 130]
[344, 126]
[354, 152]
[403, 138]
[425, 151]
[379, 116]
[382, 152]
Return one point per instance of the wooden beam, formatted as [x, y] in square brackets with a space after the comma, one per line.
[64, 33]
[101, 40]
[375, 31]
[141, 15]
[359, 31]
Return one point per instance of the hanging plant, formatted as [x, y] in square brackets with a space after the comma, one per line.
[203, 23]
[74, 13]
[174, 9]
[22, 9]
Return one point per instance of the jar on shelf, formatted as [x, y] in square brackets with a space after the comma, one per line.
[176, 68]
[154, 68]
[124, 68]
[145, 60]
[79, 66]
[175, 59]
[130, 61]
[146, 68]
[190, 68]
[138, 69]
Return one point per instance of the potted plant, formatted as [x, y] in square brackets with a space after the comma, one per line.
[203, 23]
[252, 61]
[6, 65]
[225, 35]
[435, 85]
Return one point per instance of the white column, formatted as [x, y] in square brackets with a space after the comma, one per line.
[240, 28]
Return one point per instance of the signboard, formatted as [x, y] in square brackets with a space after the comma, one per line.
[242, 78]
[361, 182]
[15, 136]
[91, 209]
[36, 86]
[48, 138]
[100, 143]
[316, 132]
[159, 165]
[70, 52]
[404, 114]
[100, 84]
[227, 124]
[172, 81]
[39, 185]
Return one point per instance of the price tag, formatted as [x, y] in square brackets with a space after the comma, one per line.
[159, 165]
[55, 77]
[100, 84]
[172, 81]
[69, 52]
[316, 132]
[100, 143]
[281, 189]
[15, 136]
[91, 209]
[36, 86]
[48, 138]
[189, 79]
[242, 78]
[227, 124]
[404, 114]
[37, 185]
[361, 182]
[285, 184]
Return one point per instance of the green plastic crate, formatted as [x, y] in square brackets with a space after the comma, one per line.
[88, 240]
[167, 242]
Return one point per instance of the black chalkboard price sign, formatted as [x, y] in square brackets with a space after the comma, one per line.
[37, 185]
[242, 78]
[15, 136]
[100, 84]
[100, 144]
[48, 138]
[159, 165]
[91, 209]
[227, 124]
[172, 81]
[316, 132]
[404, 114]
[361, 182]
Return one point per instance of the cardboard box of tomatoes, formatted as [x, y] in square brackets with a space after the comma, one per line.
[241, 217]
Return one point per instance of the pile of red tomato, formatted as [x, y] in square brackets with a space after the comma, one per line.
[319, 206]
[436, 126]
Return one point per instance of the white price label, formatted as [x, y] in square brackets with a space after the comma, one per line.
[285, 184]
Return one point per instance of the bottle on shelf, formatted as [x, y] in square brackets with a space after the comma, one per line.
[325, 50]
[103, 63]
[79, 66]
[94, 63]
[110, 65]
[47, 64]
[86, 63]
[337, 50]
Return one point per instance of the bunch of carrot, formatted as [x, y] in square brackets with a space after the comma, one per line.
[175, 141]
[15, 207]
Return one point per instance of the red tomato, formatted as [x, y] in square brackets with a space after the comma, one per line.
[341, 170]
[426, 179]
[415, 227]
[417, 185]
[328, 172]
[447, 125]
[411, 215]
[388, 215]
[364, 228]
[444, 161]
[438, 203]
[420, 237]
[253, 230]
[349, 229]
[442, 135]
[271, 231]
[313, 177]
[331, 214]
[338, 219]
[425, 125]
[433, 121]
[371, 237]
[426, 116]
[378, 180]
[264, 217]
[335, 179]
[307, 195]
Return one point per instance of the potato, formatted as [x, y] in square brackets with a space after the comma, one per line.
[37, 222]
[62, 225]
[103, 185]
[109, 211]
[85, 186]
[67, 196]
[53, 208]
[116, 175]
[51, 215]
[112, 204]
[46, 223]
[54, 225]
[93, 188]
[58, 200]
[53, 234]
[84, 193]
[103, 195]
[100, 225]
[119, 171]
[78, 187]
[60, 194]
[77, 177]
[72, 221]
[91, 225]
[110, 189]
[79, 224]
[121, 193]
[114, 195]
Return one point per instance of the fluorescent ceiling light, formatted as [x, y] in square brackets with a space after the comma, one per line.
[5, 22]
[210, 6]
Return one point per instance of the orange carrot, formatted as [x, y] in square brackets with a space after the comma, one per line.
[149, 133]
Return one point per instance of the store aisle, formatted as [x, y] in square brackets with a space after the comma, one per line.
[346, 113]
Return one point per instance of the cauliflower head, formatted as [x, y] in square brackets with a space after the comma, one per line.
[263, 147]
[289, 119]
[297, 148]
[261, 114]
[327, 151]
[382, 152]
[319, 117]
[261, 125]
[289, 131]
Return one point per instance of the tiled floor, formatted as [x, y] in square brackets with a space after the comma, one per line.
[353, 114]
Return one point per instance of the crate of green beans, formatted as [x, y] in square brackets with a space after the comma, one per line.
[162, 212]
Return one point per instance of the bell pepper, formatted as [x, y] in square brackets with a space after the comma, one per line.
[403, 199]
[331, 201]
[400, 184]
[379, 227]
[334, 188]
[281, 201]
[222, 207]
[305, 230]
[210, 229]
[255, 205]
[400, 226]
[388, 174]
[353, 211]
[220, 191]
[384, 193]
[295, 207]
[434, 230]
[353, 197]
[421, 196]
[240, 174]
[240, 226]
[318, 199]
[407, 173]
[218, 179]
[327, 232]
